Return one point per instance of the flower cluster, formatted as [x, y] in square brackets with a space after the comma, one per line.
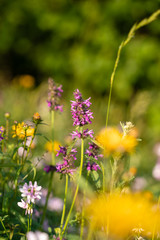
[81, 113]
[108, 212]
[92, 154]
[22, 130]
[54, 95]
[115, 142]
[67, 167]
[1, 133]
[30, 193]
[85, 134]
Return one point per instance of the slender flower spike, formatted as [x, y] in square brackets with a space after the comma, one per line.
[31, 192]
[81, 113]
[93, 152]
[92, 166]
[54, 95]
[67, 167]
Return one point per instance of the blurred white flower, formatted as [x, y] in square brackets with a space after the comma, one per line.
[156, 171]
[37, 236]
[20, 152]
[157, 149]
[139, 184]
[55, 204]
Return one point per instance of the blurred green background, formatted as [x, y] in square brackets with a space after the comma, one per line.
[76, 43]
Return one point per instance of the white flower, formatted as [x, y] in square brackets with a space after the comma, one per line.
[31, 192]
[37, 236]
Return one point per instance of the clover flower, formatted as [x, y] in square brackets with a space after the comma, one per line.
[117, 215]
[26, 205]
[54, 95]
[31, 192]
[67, 167]
[81, 113]
[22, 130]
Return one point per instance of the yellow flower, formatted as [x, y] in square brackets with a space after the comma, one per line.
[21, 131]
[114, 142]
[26, 81]
[117, 215]
[48, 146]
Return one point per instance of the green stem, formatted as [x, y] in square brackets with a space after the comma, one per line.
[83, 202]
[113, 177]
[64, 206]
[103, 177]
[131, 34]
[30, 225]
[7, 128]
[48, 194]
[25, 139]
[52, 130]
[77, 188]
[4, 227]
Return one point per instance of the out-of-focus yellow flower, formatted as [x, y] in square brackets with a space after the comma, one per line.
[48, 146]
[21, 131]
[26, 81]
[114, 142]
[117, 215]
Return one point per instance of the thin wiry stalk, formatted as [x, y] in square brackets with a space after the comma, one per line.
[131, 34]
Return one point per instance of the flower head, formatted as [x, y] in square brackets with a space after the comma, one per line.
[37, 236]
[56, 146]
[67, 167]
[117, 215]
[25, 205]
[81, 113]
[54, 95]
[113, 141]
[22, 130]
[36, 118]
[31, 192]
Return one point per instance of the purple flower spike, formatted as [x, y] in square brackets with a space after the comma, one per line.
[93, 152]
[54, 96]
[92, 166]
[67, 167]
[86, 133]
[81, 113]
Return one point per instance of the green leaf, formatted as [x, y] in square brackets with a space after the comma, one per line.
[73, 237]
[96, 179]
